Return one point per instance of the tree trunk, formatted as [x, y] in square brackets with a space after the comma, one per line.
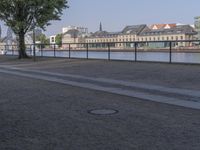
[22, 46]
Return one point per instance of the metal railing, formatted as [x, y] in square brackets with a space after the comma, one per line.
[153, 51]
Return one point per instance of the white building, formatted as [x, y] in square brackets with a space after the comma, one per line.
[66, 29]
[82, 30]
[53, 39]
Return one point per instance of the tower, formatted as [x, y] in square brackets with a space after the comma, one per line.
[100, 27]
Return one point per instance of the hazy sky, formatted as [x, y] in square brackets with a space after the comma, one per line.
[115, 14]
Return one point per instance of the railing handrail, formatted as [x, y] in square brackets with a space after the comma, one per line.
[134, 45]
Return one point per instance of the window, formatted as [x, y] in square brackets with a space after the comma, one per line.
[52, 39]
[181, 37]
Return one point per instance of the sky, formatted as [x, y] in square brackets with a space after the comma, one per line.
[116, 14]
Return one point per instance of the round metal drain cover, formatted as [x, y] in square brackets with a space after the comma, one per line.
[103, 111]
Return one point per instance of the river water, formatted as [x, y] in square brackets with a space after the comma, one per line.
[178, 57]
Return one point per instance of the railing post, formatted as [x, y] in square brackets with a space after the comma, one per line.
[136, 44]
[30, 51]
[108, 51]
[170, 52]
[87, 49]
[12, 50]
[54, 50]
[4, 49]
[34, 54]
[41, 50]
[69, 51]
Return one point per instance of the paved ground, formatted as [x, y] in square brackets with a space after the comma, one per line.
[37, 114]
[181, 76]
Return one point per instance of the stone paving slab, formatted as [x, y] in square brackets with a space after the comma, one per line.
[185, 98]
[42, 115]
[169, 75]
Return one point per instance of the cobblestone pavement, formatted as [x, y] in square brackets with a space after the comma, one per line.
[42, 115]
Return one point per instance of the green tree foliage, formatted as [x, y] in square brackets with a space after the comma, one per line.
[59, 40]
[23, 15]
[43, 40]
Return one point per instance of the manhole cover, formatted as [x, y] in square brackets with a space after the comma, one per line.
[103, 111]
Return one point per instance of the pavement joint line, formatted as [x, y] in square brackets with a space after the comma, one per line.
[30, 64]
[44, 63]
[186, 92]
[119, 91]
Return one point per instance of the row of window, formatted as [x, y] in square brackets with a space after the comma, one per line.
[139, 39]
[162, 38]
[111, 40]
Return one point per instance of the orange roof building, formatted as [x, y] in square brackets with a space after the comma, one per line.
[162, 26]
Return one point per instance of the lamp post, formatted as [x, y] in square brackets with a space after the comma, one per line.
[34, 40]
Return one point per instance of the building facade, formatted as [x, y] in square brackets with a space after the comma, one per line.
[197, 26]
[52, 39]
[72, 36]
[142, 33]
[173, 33]
[128, 34]
[154, 36]
[82, 30]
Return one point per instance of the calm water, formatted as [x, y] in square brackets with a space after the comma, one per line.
[141, 56]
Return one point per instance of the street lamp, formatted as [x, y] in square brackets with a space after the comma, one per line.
[34, 23]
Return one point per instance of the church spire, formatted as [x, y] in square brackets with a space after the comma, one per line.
[100, 27]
